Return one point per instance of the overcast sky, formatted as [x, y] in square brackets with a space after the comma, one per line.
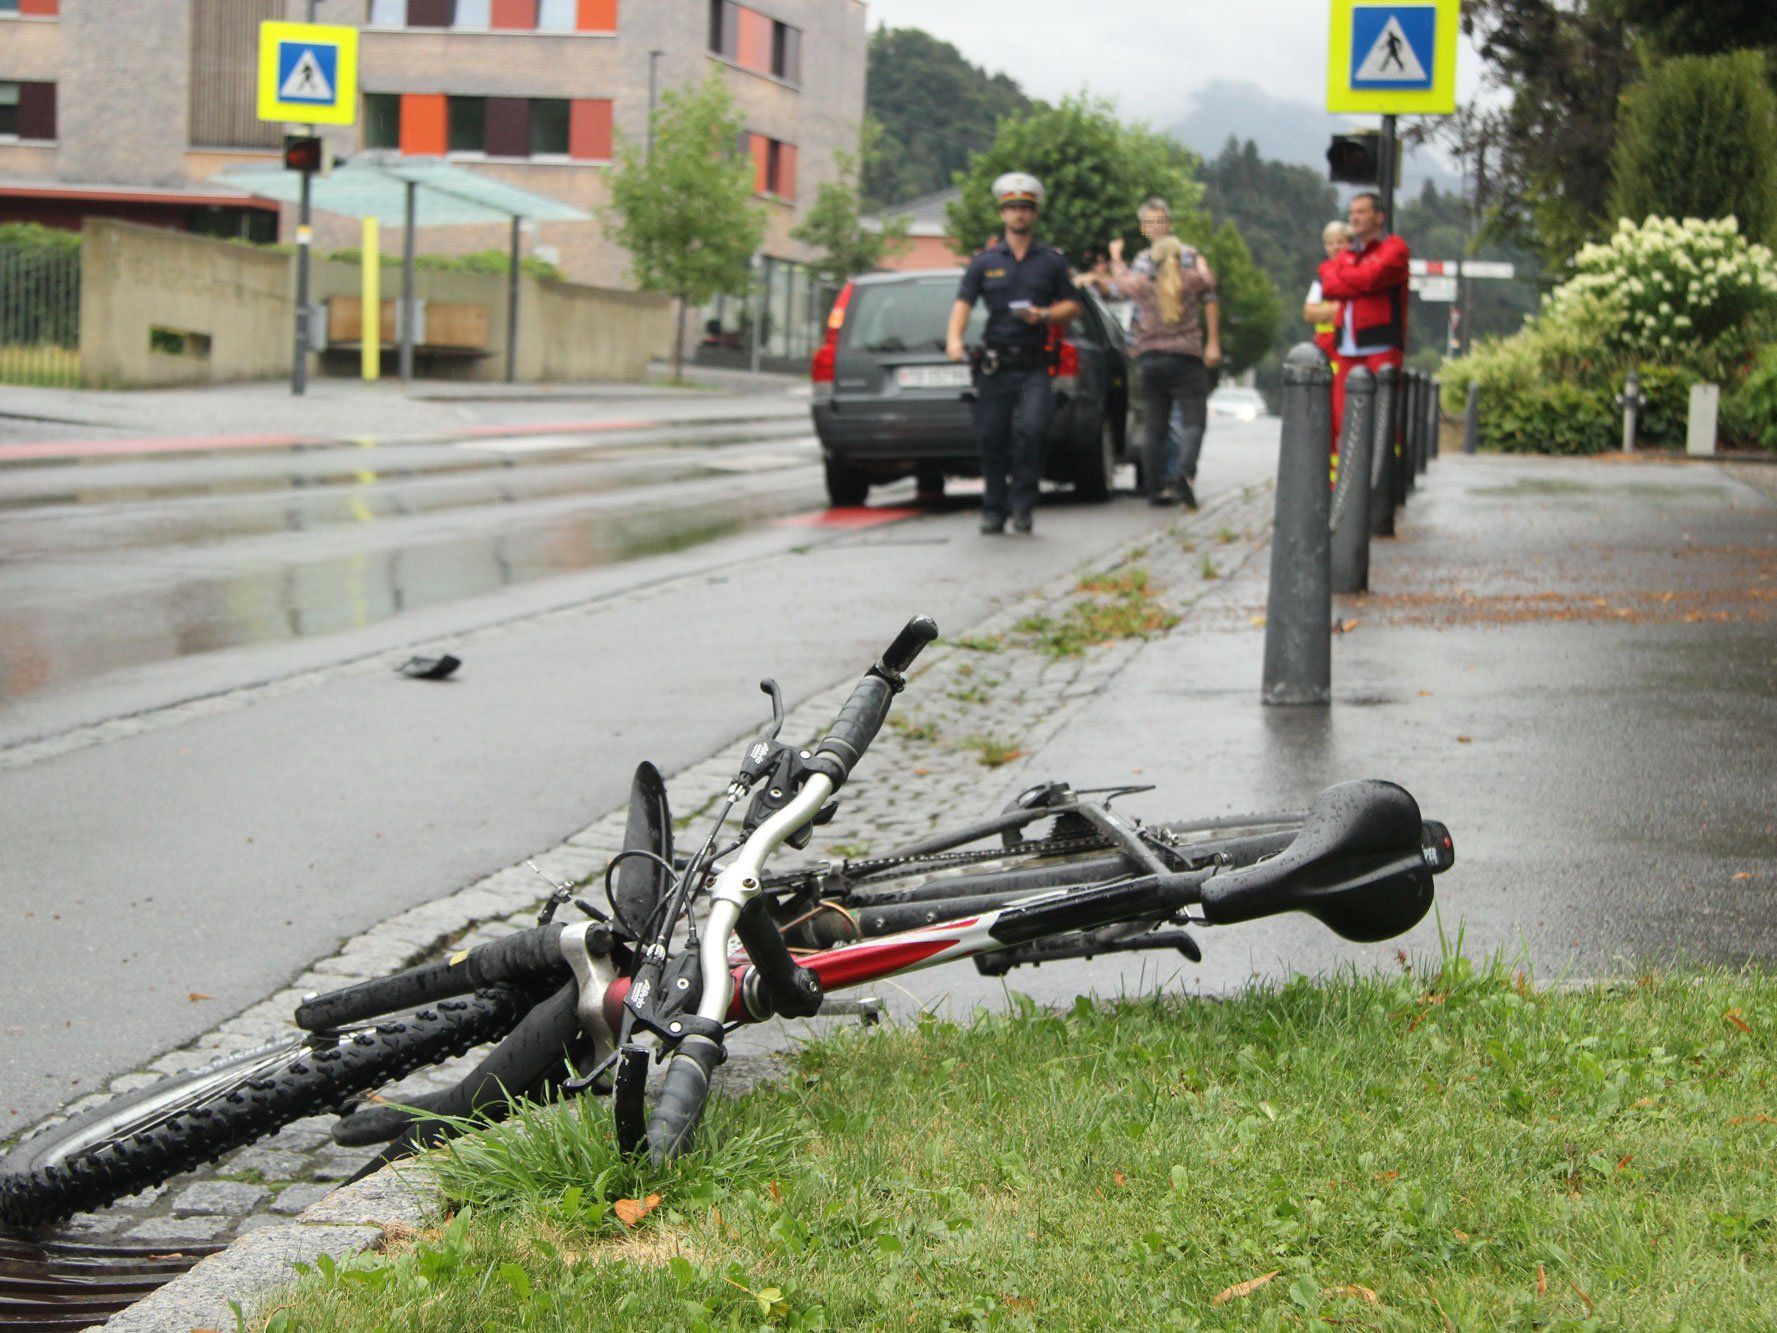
[1151, 56]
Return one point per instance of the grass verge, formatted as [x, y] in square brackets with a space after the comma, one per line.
[1452, 1151]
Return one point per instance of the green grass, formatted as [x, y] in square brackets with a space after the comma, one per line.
[912, 730]
[1473, 1153]
[993, 751]
[979, 643]
[1120, 604]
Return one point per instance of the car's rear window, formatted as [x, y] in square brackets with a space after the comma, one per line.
[905, 316]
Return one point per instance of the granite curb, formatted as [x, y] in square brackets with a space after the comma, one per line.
[1031, 696]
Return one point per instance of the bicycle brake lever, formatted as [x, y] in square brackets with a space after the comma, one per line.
[769, 686]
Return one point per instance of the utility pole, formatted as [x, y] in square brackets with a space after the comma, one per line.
[1391, 152]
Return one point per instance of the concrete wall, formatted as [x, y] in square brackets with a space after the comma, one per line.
[134, 279]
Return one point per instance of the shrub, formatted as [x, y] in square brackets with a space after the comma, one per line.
[1691, 292]
[30, 238]
[1555, 419]
[1698, 138]
[1667, 406]
[1749, 409]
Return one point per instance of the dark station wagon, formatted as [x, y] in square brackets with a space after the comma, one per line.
[888, 404]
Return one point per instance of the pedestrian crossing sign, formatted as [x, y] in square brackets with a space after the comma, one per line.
[1395, 57]
[308, 73]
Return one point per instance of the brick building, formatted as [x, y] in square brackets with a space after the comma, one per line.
[132, 108]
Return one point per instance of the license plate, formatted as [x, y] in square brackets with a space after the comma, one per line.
[932, 377]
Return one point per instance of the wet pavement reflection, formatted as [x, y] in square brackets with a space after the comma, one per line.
[260, 551]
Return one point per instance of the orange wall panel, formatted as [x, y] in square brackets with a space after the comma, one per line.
[510, 14]
[597, 16]
[786, 170]
[589, 129]
[40, 8]
[754, 49]
[425, 124]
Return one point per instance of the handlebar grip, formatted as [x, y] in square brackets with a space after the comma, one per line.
[682, 1095]
[917, 633]
[854, 729]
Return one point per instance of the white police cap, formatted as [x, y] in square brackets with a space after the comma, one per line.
[1018, 187]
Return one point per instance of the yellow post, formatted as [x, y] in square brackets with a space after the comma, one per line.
[370, 336]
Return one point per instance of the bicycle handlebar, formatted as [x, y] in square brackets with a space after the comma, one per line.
[865, 711]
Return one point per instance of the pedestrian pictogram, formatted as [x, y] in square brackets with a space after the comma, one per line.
[1395, 57]
[1392, 60]
[303, 72]
[308, 73]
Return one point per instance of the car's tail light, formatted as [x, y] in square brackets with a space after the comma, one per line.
[826, 356]
[1064, 359]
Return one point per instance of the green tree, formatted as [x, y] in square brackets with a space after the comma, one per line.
[1564, 64]
[833, 225]
[686, 214]
[1703, 27]
[1696, 140]
[1095, 172]
[935, 109]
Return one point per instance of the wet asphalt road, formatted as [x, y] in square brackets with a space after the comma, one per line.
[217, 850]
[1572, 664]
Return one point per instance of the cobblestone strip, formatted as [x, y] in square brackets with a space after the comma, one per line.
[978, 702]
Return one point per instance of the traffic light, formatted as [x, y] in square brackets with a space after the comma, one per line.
[304, 152]
[1356, 159]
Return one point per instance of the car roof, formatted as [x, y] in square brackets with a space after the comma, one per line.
[905, 275]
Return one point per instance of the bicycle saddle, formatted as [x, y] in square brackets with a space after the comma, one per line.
[1360, 866]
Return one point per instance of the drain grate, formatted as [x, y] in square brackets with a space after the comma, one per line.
[61, 1285]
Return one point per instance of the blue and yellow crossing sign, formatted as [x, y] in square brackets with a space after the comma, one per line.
[308, 73]
[1396, 57]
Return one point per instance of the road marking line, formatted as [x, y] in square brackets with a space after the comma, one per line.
[857, 516]
[165, 445]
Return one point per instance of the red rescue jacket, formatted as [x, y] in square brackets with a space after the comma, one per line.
[1373, 281]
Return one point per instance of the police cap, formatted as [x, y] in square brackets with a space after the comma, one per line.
[1018, 187]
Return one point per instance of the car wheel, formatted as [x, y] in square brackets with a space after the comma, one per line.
[846, 486]
[1095, 470]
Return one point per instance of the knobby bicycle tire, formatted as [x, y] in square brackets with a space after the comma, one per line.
[153, 1133]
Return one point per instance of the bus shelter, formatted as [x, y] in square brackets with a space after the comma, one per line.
[415, 192]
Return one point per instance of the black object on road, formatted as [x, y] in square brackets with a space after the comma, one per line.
[429, 668]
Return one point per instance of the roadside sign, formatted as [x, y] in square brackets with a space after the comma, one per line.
[1470, 268]
[1433, 288]
[308, 73]
[1393, 57]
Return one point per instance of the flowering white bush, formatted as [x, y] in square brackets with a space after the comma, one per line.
[1674, 288]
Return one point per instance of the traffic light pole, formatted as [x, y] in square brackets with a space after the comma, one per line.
[1390, 154]
[299, 368]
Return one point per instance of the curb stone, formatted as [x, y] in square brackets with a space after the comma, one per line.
[1031, 697]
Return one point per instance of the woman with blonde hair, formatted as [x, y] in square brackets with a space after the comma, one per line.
[1170, 286]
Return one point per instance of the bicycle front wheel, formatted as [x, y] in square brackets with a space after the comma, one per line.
[153, 1133]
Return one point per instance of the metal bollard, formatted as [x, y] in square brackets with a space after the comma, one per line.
[1299, 606]
[1387, 414]
[1413, 437]
[1471, 419]
[1631, 401]
[1435, 408]
[1350, 518]
[1397, 467]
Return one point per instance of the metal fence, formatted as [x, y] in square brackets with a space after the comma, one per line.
[39, 316]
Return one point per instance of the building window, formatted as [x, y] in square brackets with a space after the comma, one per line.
[388, 13]
[27, 110]
[472, 16]
[724, 28]
[44, 9]
[549, 127]
[468, 125]
[786, 52]
[382, 120]
[431, 13]
[589, 130]
[774, 164]
[557, 15]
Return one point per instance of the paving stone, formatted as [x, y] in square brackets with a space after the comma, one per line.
[298, 1197]
[226, 1198]
[172, 1230]
[284, 1163]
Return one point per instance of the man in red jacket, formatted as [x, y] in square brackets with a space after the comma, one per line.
[1371, 279]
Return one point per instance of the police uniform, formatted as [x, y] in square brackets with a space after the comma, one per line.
[1013, 399]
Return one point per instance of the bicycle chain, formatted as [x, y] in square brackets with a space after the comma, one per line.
[863, 869]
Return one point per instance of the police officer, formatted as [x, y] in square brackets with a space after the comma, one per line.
[1026, 286]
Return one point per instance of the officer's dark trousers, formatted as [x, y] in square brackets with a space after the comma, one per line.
[1171, 381]
[1012, 411]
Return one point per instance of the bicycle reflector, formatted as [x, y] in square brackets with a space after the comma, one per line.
[1356, 159]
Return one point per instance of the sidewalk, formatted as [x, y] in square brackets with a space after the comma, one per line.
[344, 409]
